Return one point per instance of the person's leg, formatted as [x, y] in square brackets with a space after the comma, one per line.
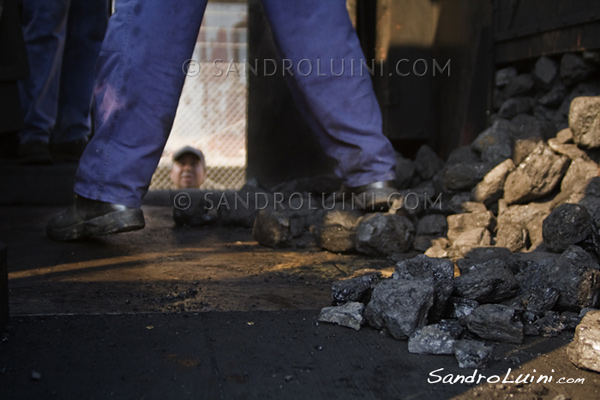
[139, 78]
[85, 30]
[44, 25]
[343, 110]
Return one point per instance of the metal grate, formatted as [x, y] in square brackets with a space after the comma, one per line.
[211, 115]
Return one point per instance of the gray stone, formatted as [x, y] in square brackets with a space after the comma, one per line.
[536, 176]
[463, 154]
[460, 308]
[472, 353]
[405, 170]
[464, 176]
[496, 322]
[462, 202]
[504, 75]
[512, 236]
[584, 351]
[491, 188]
[519, 85]
[240, 208]
[575, 274]
[537, 300]
[480, 256]
[441, 271]
[584, 121]
[555, 96]
[460, 223]
[272, 228]
[545, 71]
[550, 325]
[573, 68]
[489, 283]
[380, 234]
[566, 225]
[4, 311]
[570, 319]
[514, 106]
[432, 225]
[432, 339]
[349, 315]
[427, 162]
[400, 306]
[592, 56]
[354, 289]
[495, 143]
[194, 207]
[338, 230]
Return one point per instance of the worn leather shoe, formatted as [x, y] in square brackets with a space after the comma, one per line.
[373, 197]
[88, 218]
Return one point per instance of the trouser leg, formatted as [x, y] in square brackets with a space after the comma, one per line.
[314, 35]
[85, 30]
[44, 26]
[139, 77]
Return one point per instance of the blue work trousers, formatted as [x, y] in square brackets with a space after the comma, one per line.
[62, 40]
[140, 76]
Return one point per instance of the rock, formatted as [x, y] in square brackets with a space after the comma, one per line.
[519, 85]
[489, 283]
[573, 68]
[584, 351]
[380, 234]
[512, 236]
[441, 271]
[504, 75]
[439, 248]
[584, 121]
[569, 150]
[463, 154]
[349, 315]
[432, 339]
[537, 300]
[460, 223]
[240, 208]
[460, 308]
[545, 71]
[495, 143]
[536, 176]
[578, 177]
[479, 256]
[462, 203]
[496, 322]
[338, 230]
[491, 188]
[514, 106]
[356, 289]
[475, 237]
[555, 96]
[588, 89]
[405, 170]
[432, 225]
[570, 320]
[531, 216]
[566, 225]
[524, 146]
[193, 208]
[272, 228]
[564, 136]
[464, 176]
[427, 162]
[575, 274]
[472, 353]
[550, 325]
[400, 306]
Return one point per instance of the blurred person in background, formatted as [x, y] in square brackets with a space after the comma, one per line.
[189, 168]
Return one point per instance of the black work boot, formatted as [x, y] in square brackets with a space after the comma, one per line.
[373, 197]
[88, 218]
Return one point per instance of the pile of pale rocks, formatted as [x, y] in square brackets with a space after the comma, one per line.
[511, 244]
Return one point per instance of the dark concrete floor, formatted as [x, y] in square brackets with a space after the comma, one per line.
[175, 313]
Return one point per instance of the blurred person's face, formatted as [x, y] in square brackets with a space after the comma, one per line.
[188, 172]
